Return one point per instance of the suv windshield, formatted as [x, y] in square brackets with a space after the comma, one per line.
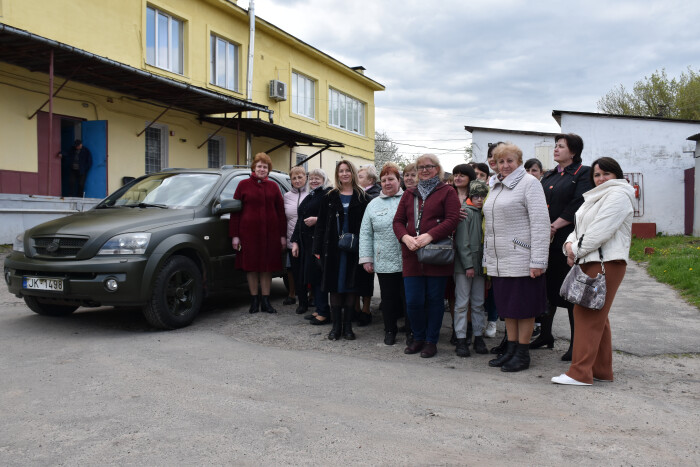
[167, 190]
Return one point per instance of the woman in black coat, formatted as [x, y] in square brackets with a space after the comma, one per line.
[564, 187]
[341, 211]
[302, 246]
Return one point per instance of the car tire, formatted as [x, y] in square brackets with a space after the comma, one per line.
[177, 294]
[48, 309]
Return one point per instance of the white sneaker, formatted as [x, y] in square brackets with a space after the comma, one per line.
[490, 329]
[564, 379]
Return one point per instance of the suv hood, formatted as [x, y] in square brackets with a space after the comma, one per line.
[112, 221]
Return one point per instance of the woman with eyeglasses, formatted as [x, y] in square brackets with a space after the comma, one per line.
[429, 212]
[341, 213]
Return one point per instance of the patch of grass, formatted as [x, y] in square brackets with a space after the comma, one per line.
[675, 261]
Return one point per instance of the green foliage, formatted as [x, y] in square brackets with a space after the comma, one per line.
[657, 96]
[675, 261]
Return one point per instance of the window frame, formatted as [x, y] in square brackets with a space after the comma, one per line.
[163, 146]
[222, 151]
[153, 57]
[296, 100]
[214, 62]
[352, 117]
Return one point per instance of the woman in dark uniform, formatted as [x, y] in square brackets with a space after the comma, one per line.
[563, 189]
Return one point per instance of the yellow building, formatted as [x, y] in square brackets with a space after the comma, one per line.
[153, 84]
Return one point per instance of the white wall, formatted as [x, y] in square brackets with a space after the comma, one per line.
[540, 146]
[657, 149]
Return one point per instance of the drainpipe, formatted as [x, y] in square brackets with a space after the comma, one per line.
[249, 83]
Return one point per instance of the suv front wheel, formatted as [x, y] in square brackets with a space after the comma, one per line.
[177, 294]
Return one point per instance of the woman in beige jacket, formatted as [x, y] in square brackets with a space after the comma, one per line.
[603, 235]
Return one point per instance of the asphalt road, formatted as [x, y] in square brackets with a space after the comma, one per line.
[102, 388]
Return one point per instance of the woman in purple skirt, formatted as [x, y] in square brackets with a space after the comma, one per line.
[516, 247]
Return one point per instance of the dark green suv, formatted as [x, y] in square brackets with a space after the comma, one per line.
[161, 242]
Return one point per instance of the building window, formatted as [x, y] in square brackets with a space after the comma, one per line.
[224, 63]
[164, 47]
[301, 157]
[156, 148]
[346, 112]
[216, 155]
[303, 96]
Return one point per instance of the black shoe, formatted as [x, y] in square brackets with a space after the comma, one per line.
[364, 319]
[480, 345]
[567, 356]
[510, 351]
[501, 348]
[453, 338]
[541, 341]
[536, 331]
[309, 316]
[336, 318]
[462, 348]
[520, 361]
[347, 325]
[318, 322]
[470, 332]
[301, 309]
[409, 338]
[266, 306]
[254, 304]
[389, 338]
[289, 301]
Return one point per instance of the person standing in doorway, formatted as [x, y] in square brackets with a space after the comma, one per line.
[78, 164]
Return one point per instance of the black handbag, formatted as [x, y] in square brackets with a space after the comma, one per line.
[440, 252]
[580, 289]
[347, 241]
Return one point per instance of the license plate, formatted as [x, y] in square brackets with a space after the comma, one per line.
[42, 283]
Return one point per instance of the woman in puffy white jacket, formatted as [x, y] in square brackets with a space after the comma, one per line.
[603, 227]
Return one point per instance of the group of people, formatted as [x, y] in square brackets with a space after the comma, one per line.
[514, 231]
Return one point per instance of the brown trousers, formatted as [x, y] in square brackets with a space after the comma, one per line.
[592, 353]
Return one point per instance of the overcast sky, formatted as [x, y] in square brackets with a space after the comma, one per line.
[491, 63]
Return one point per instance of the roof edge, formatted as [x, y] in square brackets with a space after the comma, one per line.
[558, 113]
[471, 129]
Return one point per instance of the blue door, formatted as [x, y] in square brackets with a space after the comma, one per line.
[94, 135]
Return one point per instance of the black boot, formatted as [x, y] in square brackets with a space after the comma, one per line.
[462, 348]
[520, 361]
[567, 356]
[266, 306]
[347, 325]
[510, 351]
[337, 320]
[545, 337]
[254, 304]
[500, 349]
[480, 345]
[470, 332]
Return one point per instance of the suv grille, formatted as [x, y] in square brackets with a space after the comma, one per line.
[59, 247]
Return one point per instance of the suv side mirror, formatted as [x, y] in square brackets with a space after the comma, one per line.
[226, 206]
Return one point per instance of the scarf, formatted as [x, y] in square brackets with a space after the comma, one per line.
[425, 187]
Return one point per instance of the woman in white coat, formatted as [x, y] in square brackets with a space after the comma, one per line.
[603, 233]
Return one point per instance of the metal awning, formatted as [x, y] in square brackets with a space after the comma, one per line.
[30, 51]
[261, 128]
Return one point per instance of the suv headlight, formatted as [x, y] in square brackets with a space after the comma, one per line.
[18, 243]
[126, 244]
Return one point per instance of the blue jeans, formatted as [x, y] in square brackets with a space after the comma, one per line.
[425, 306]
[321, 301]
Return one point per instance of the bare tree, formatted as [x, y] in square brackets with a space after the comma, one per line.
[386, 151]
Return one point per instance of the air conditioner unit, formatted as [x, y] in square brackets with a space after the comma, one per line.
[278, 90]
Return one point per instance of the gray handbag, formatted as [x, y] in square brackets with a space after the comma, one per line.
[440, 252]
[580, 289]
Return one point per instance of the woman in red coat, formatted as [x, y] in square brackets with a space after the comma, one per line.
[437, 207]
[259, 231]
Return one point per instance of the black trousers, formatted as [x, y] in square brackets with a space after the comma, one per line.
[393, 299]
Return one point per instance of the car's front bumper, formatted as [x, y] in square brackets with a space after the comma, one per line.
[84, 282]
